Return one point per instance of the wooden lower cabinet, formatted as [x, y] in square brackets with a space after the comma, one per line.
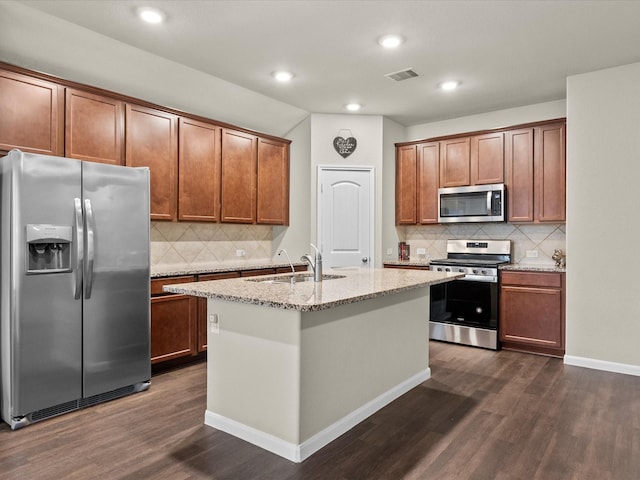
[532, 315]
[173, 332]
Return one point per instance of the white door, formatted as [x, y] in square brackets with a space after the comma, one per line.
[345, 216]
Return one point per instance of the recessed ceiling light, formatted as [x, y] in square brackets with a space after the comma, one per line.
[353, 107]
[282, 76]
[151, 15]
[390, 41]
[449, 85]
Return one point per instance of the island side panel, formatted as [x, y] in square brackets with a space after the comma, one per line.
[353, 353]
[253, 367]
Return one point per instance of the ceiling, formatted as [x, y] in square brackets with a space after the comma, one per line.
[504, 53]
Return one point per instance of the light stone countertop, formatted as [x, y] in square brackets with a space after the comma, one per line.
[407, 263]
[357, 285]
[178, 269]
[532, 268]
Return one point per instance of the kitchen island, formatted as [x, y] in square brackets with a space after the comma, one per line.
[292, 366]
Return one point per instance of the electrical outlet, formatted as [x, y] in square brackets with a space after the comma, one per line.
[421, 251]
[389, 251]
[240, 253]
[214, 323]
[532, 253]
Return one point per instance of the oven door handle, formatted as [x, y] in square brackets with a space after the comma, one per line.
[480, 278]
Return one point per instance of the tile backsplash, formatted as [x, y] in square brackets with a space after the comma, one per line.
[205, 243]
[540, 238]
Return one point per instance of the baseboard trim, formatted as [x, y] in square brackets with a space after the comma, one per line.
[298, 453]
[602, 365]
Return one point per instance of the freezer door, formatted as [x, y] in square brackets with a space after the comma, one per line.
[42, 326]
[116, 303]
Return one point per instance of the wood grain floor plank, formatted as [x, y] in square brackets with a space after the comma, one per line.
[483, 415]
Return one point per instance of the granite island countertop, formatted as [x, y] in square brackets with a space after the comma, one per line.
[175, 270]
[355, 285]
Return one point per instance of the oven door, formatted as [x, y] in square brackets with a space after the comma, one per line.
[465, 312]
[465, 302]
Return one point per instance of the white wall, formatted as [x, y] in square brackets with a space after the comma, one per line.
[393, 133]
[603, 211]
[296, 237]
[485, 121]
[41, 42]
[367, 130]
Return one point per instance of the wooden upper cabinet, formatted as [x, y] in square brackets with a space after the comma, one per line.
[238, 190]
[550, 172]
[454, 162]
[272, 207]
[487, 159]
[428, 178]
[198, 171]
[406, 185]
[31, 114]
[94, 127]
[152, 141]
[519, 174]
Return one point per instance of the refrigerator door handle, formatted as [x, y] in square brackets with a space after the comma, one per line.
[79, 248]
[88, 211]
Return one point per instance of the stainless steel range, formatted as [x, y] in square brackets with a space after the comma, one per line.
[465, 311]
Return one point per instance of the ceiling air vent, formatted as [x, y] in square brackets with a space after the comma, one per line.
[402, 75]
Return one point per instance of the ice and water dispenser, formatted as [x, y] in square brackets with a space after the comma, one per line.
[48, 248]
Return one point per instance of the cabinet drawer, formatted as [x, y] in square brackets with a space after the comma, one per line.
[262, 271]
[534, 279]
[157, 284]
[218, 276]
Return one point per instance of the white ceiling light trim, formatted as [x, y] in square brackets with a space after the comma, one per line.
[390, 41]
[449, 85]
[151, 15]
[283, 76]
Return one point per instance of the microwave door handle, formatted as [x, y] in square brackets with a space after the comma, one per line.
[489, 209]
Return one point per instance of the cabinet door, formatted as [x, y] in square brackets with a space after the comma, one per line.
[198, 171]
[428, 178]
[454, 162]
[406, 185]
[273, 183]
[531, 316]
[93, 128]
[487, 159]
[173, 327]
[238, 192]
[152, 141]
[519, 174]
[31, 114]
[550, 173]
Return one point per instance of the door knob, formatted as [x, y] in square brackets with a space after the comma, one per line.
[365, 259]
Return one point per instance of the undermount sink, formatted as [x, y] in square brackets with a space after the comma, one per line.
[300, 277]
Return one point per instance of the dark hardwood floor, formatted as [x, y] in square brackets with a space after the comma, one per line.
[483, 415]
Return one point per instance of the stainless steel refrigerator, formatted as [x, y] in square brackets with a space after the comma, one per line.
[74, 304]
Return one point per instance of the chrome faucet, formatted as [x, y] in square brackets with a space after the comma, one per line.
[316, 265]
[282, 250]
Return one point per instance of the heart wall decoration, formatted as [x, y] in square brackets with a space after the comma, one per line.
[345, 146]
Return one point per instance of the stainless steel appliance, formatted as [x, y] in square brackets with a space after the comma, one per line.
[74, 263]
[477, 203]
[466, 311]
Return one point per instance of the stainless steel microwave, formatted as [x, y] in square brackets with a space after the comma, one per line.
[477, 203]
